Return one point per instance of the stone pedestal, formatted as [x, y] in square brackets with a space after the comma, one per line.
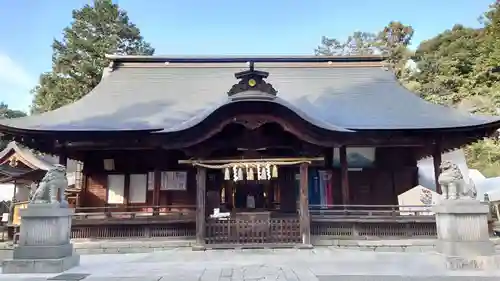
[463, 237]
[44, 241]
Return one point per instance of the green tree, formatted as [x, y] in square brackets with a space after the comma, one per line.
[455, 70]
[6, 112]
[359, 43]
[78, 59]
[392, 42]
[446, 65]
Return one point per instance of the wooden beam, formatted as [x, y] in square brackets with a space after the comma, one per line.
[201, 178]
[224, 161]
[255, 139]
[305, 223]
[344, 175]
[436, 156]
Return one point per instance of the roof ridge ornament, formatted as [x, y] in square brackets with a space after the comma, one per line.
[252, 80]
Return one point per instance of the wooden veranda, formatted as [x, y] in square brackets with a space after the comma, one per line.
[335, 222]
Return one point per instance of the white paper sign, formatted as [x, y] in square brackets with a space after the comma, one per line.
[151, 181]
[174, 180]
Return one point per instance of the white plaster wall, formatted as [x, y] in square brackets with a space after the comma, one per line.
[6, 191]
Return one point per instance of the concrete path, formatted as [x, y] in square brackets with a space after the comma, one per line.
[321, 264]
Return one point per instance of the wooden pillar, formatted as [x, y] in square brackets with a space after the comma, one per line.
[126, 192]
[201, 178]
[77, 200]
[156, 191]
[344, 175]
[305, 223]
[14, 199]
[13, 205]
[328, 152]
[436, 155]
[63, 158]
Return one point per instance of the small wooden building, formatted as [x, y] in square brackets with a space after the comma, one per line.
[274, 141]
[24, 168]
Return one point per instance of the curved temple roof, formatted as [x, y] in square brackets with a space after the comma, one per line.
[31, 162]
[172, 94]
[37, 162]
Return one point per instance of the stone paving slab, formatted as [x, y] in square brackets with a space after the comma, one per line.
[122, 246]
[402, 278]
[320, 264]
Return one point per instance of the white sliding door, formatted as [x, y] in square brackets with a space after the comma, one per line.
[116, 189]
[138, 188]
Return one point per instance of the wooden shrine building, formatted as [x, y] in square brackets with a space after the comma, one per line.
[24, 169]
[244, 149]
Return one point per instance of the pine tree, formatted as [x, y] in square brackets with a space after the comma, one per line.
[79, 58]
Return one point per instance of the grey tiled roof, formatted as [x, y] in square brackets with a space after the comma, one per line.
[174, 97]
[41, 162]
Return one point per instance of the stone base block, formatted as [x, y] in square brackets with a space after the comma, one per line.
[304, 246]
[43, 252]
[40, 265]
[465, 248]
[474, 263]
[198, 247]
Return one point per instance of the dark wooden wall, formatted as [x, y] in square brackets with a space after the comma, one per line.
[393, 173]
[94, 193]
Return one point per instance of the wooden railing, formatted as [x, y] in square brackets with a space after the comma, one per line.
[372, 221]
[175, 221]
[371, 213]
[227, 232]
[134, 214]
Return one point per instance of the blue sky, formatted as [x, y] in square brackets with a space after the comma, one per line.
[214, 27]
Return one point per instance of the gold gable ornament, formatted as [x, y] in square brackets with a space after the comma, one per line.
[252, 80]
[13, 161]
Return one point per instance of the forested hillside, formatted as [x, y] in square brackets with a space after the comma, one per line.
[454, 68]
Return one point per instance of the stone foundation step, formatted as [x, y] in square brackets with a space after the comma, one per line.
[403, 278]
[153, 245]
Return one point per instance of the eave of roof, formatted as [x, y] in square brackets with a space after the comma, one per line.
[202, 59]
[168, 94]
[25, 155]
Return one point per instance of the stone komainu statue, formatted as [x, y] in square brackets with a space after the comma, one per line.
[51, 188]
[453, 184]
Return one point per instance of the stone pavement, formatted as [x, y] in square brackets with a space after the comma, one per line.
[126, 246]
[320, 264]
